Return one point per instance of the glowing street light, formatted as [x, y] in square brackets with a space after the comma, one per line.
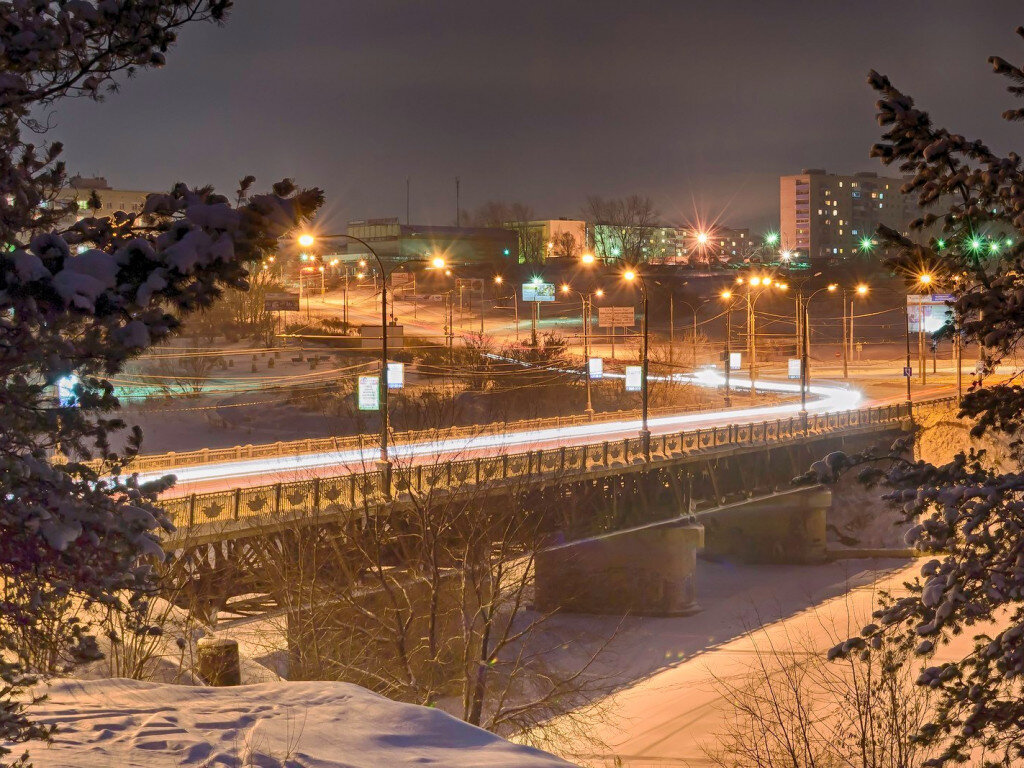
[786, 256]
[587, 258]
[867, 244]
[702, 238]
[924, 279]
[772, 239]
[645, 434]
[438, 262]
[497, 279]
[306, 240]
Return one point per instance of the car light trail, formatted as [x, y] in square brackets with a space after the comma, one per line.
[830, 398]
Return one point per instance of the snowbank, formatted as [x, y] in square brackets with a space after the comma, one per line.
[274, 725]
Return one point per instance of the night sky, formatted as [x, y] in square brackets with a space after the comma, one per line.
[700, 105]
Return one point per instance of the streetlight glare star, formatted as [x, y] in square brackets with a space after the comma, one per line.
[629, 274]
[587, 258]
[306, 240]
[438, 262]
[726, 295]
[772, 238]
[862, 289]
[925, 279]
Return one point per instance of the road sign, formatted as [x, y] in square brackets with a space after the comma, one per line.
[538, 291]
[368, 394]
[371, 336]
[616, 317]
[281, 302]
[396, 375]
[477, 284]
[595, 367]
[634, 378]
[794, 368]
[735, 360]
[908, 371]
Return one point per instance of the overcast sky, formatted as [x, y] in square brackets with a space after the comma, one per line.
[701, 105]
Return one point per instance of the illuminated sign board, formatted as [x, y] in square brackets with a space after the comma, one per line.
[396, 375]
[634, 378]
[538, 291]
[930, 310]
[735, 361]
[595, 367]
[368, 393]
[794, 367]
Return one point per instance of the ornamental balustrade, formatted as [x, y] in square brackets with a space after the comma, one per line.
[357, 490]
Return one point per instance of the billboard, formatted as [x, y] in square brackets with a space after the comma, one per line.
[735, 361]
[281, 302]
[616, 317]
[595, 367]
[931, 309]
[634, 378]
[794, 368]
[396, 375]
[538, 291]
[368, 393]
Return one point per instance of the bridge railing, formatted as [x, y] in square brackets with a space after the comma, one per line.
[353, 491]
[174, 460]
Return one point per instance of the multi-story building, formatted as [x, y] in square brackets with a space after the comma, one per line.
[394, 241]
[825, 216]
[82, 189]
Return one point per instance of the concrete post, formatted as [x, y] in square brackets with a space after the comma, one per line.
[217, 661]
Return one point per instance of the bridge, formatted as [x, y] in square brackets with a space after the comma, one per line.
[589, 486]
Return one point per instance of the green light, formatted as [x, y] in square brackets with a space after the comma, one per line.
[615, 251]
[1009, 242]
[994, 247]
[940, 243]
[536, 280]
[771, 238]
[304, 257]
[866, 244]
[507, 251]
[975, 244]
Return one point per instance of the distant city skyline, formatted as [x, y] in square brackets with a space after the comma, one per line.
[702, 107]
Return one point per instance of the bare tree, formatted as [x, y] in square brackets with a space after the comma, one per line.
[565, 246]
[623, 227]
[795, 708]
[429, 602]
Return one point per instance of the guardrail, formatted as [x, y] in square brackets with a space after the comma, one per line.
[175, 460]
[355, 491]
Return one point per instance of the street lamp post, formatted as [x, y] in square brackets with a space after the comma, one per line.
[693, 340]
[587, 302]
[805, 359]
[645, 434]
[727, 295]
[385, 461]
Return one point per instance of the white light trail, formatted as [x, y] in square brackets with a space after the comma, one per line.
[829, 398]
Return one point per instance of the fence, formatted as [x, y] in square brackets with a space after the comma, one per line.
[355, 491]
[176, 460]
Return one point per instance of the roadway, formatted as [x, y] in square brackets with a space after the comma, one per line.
[224, 476]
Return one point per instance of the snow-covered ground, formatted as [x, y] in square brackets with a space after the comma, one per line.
[130, 724]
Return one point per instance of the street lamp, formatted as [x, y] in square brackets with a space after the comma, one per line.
[587, 308]
[805, 374]
[727, 296]
[631, 275]
[762, 283]
[587, 258]
[385, 463]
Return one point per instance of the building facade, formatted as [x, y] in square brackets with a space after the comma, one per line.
[394, 241]
[81, 189]
[825, 216]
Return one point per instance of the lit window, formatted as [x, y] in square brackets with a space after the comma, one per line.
[819, 211]
[840, 183]
[840, 231]
[835, 211]
[83, 205]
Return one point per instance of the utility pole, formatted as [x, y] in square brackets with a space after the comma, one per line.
[846, 347]
[751, 338]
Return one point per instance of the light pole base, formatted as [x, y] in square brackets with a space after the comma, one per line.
[645, 442]
[385, 469]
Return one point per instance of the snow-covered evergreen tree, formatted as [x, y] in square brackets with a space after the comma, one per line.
[967, 515]
[81, 301]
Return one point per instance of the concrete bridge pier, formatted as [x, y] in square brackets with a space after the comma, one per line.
[648, 571]
[787, 527]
